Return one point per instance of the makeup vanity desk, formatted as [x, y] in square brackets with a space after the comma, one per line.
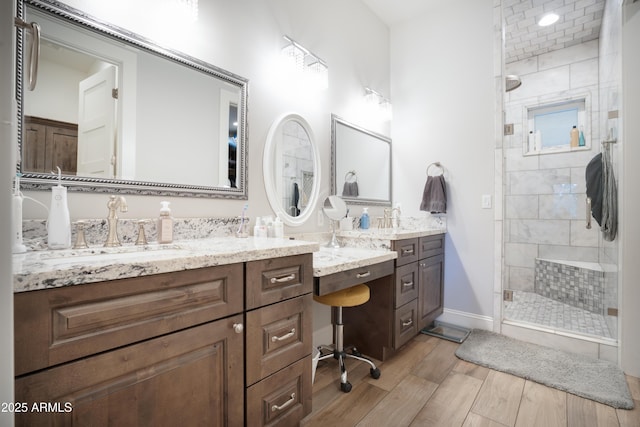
[404, 270]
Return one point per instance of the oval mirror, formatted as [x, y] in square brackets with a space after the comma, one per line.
[291, 167]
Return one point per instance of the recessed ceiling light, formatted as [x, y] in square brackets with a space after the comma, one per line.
[548, 19]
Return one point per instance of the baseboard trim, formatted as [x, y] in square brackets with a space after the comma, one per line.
[466, 319]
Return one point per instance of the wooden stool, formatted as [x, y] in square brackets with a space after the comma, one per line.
[350, 297]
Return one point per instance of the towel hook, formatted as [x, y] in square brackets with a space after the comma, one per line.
[351, 174]
[438, 165]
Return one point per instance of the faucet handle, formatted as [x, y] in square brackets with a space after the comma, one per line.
[81, 242]
[142, 237]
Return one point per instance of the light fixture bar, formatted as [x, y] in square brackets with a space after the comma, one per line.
[305, 50]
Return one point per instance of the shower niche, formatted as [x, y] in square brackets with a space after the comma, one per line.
[547, 127]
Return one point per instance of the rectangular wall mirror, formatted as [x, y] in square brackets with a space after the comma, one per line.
[360, 164]
[115, 111]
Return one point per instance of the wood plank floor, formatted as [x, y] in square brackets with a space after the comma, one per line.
[425, 384]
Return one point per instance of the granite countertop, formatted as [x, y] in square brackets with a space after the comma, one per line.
[329, 260]
[51, 269]
[390, 233]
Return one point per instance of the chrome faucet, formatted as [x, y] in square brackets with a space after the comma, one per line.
[114, 203]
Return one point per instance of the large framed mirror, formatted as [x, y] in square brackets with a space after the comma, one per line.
[291, 166]
[360, 164]
[115, 111]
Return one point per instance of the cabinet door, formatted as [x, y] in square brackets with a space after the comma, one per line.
[430, 299]
[189, 378]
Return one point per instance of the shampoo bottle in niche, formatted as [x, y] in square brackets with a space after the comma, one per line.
[575, 136]
[581, 141]
[59, 222]
[165, 224]
[364, 219]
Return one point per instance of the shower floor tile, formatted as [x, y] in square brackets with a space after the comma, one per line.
[533, 308]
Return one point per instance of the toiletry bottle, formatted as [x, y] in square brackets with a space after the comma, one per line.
[581, 140]
[575, 136]
[59, 222]
[364, 219]
[260, 229]
[17, 247]
[165, 224]
[278, 228]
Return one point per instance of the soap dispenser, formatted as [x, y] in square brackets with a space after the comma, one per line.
[59, 222]
[364, 219]
[165, 224]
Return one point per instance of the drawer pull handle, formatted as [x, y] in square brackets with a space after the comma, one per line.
[407, 251]
[285, 336]
[292, 399]
[365, 274]
[283, 278]
[407, 323]
[407, 284]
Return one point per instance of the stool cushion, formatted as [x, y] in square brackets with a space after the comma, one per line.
[350, 297]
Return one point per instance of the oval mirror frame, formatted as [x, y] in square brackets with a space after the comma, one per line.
[271, 162]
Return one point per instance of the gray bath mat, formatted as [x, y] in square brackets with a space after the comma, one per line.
[583, 376]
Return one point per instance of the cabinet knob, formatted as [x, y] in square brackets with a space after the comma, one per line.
[238, 328]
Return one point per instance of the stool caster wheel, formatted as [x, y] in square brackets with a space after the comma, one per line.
[375, 373]
[355, 352]
[346, 387]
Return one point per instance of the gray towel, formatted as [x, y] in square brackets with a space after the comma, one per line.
[350, 189]
[609, 225]
[434, 196]
[593, 177]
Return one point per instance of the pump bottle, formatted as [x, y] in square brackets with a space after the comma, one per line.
[59, 222]
[165, 224]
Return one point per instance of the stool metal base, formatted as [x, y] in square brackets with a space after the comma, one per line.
[337, 352]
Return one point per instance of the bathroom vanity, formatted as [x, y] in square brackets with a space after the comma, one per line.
[406, 288]
[174, 336]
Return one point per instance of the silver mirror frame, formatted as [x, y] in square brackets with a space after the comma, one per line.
[335, 121]
[268, 160]
[39, 181]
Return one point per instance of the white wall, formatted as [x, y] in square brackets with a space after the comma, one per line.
[630, 192]
[7, 168]
[443, 99]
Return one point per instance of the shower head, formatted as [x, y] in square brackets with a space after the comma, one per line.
[512, 82]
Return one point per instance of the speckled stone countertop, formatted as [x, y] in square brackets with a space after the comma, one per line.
[329, 260]
[50, 269]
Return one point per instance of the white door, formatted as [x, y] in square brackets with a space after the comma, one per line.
[97, 125]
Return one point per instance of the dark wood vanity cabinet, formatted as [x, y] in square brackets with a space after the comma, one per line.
[49, 144]
[169, 349]
[279, 340]
[400, 307]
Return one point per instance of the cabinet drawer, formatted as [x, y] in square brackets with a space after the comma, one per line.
[407, 251]
[345, 279]
[276, 279]
[284, 398]
[406, 280]
[406, 323]
[58, 325]
[278, 335]
[431, 245]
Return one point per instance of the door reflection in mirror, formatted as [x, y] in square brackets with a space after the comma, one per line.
[297, 171]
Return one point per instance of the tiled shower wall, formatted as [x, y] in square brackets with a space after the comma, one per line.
[544, 215]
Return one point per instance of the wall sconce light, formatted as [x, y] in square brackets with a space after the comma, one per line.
[309, 66]
[379, 104]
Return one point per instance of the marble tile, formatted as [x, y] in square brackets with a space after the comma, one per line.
[521, 279]
[516, 161]
[570, 55]
[520, 255]
[581, 236]
[584, 73]
[535, 309]
[550, 81]
[538, 182]
[521, 207]
[559, 206]
[554, 232]
[586, 254]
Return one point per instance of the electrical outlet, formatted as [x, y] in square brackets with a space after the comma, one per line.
[486, 201]
[508, 129]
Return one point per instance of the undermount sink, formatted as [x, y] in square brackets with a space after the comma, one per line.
[110, 254]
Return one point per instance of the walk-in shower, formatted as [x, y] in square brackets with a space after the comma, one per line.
[558, 275]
